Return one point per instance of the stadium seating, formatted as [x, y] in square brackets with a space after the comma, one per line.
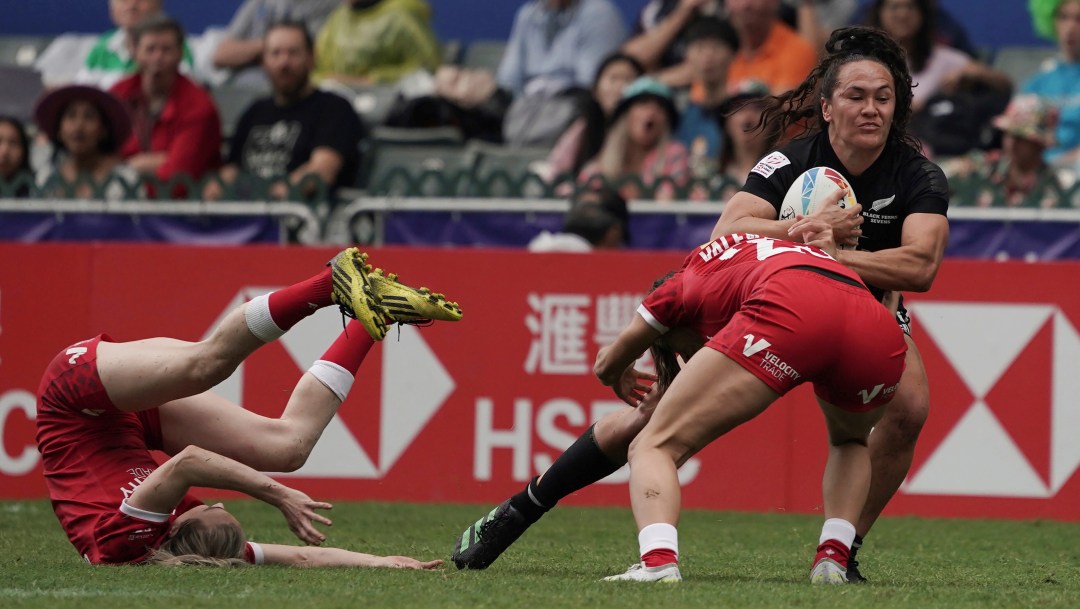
[22, 50]
[427, 162]
[508, 171]
[484, 54]
[373, 103]
[1021, 63]
[231, 102]
[21, 88]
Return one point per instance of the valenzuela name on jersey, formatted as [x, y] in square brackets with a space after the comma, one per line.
[713, 248]
[724, 248]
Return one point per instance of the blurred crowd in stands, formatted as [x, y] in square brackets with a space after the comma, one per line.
[315, 100]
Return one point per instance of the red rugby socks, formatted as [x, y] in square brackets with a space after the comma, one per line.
[289, 305]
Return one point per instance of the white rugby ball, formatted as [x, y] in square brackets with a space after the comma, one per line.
[811, 188]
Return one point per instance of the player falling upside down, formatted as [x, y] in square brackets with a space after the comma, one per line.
[779, 314]
[104, 405]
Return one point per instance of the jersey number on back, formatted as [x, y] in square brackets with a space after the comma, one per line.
[767, 248]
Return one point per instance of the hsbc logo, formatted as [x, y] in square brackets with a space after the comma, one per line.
[1017, 437]
[406, 406]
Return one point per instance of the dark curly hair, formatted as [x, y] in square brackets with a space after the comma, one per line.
[799, 107]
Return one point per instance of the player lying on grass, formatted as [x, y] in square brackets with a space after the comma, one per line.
[104, 405]
[779, 314]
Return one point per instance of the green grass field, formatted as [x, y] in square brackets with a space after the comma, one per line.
[728, 560]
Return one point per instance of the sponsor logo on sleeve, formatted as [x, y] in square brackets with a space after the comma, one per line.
[771, 162]
[752, 346]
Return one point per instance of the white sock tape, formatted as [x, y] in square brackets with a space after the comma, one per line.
[336, 378]
[259, 321]
[838, 529]
[658, 536]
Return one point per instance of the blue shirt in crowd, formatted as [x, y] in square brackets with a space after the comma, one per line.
[699, 131]
[1060, 85]
[552, 51]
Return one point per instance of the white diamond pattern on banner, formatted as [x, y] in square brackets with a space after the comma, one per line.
[981, 340]
[406, 405]
[979, 457]
[414, 385]
[1065, 447]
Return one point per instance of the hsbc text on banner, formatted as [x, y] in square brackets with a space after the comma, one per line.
[468, 412]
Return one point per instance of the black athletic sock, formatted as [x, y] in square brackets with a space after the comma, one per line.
[579, 466]
[855, 545]
[525, 504]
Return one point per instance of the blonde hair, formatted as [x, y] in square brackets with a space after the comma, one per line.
[611, 162]
[612, 155]
[195, 543]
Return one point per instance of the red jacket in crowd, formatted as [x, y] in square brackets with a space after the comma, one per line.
[188, 128]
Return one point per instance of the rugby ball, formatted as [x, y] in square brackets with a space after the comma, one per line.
[811, 188]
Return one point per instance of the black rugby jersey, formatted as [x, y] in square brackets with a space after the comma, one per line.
[900, 182]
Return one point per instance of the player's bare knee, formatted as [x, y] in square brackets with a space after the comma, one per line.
[290, 463]
[906, 415]
[206, 370]
[673, 449]
[293, 454]
[640, 444]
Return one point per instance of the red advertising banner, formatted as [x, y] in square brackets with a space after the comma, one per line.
[468, 412]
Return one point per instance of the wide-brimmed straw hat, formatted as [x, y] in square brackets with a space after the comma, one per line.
[1030, 117]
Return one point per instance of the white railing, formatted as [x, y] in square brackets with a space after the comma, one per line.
[321, 225]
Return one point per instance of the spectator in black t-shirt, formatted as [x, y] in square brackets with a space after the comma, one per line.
[295, 133]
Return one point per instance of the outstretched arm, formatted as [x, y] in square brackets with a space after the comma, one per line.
[614, 364]
[299, 556]
[166, 486]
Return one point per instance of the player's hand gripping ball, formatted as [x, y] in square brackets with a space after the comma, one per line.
[810, 189]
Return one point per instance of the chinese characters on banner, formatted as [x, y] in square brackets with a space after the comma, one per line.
[560, 324]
